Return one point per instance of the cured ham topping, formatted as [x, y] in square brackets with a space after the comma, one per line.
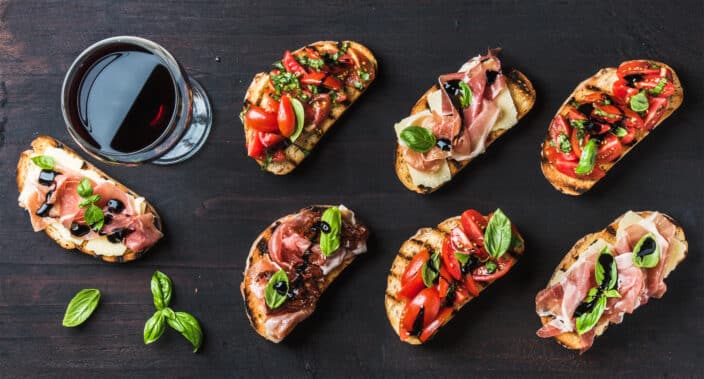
[635, 284]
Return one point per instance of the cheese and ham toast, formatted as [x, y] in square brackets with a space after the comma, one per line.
[287, 110]
[293, 262]
[460, 118]
[129, 226]
[640, 248]
[603, 119]
[439, 270]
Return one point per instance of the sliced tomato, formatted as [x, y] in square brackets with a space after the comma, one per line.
[474, 224]
[573, 113]
[567, 167]
[433, 327]
[471, 285]
[255, 148]
[314, 78]
[292, 65]
[629, 137]
[558, 127]
[444, 288]
[412, 279]
[593, 97]
[636, 68]
[650, 82]
[333, 83]
[461, 294]
[320, 107]
[286, 119]
[270, 140]
[656, 108]
[607, 113]
[609, 149]
[622, 91]
[503, 264]
[632, 119]
[259, 119]
[577, 143]
[429, 301]
[269, 104]
[449, 261]
[278, 156]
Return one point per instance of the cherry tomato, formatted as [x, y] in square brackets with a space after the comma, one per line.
[255, 148]
[412, 279]
[270, 140]
[292, 65]
[609, 150]
[631, 119]
[607, 113]
[471, 285]
[449, 261]
[474, 224]
[622, 91]
[559, 126]
[656, 108]
[573, 113]
[332, 83]
[314, 78]
[259, 119]
[567, 167]
[278, 156]
[575, 141]
[444, 288]
[286, 119]
[636, 68]
[650, 82]
[629, 137]
[503, 264]
[593, 97]
[429, 300]
[433, 327]
[269, 104]
[320, 107]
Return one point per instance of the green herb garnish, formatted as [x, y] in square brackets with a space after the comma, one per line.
[646, 253]
[639, 102]
[44, 161]
[81, 307]
[272, 296]
[587, 159]
[497, 236]
[418, 138]
[330, 239]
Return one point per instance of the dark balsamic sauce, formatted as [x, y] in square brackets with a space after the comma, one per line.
[646, 248]
[79, 230]
[605, 260]
[452, 87]
[43, 210]
[444, 144]
[491, 76]
[118, 235]
[115, 206]
[281, 288]
[46, 177]
[418, 323]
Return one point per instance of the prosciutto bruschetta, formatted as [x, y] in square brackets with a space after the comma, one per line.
[82, 208]
[608, 274]
[456, 120]
[439, 270]
[287, 110]
[293, 261]
[603, 119]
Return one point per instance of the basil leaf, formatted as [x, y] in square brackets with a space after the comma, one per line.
[516, 242]
[605, 269]
[578, 124]
[620, 132]
[490, 267]
[462, 258]
[44, 161]
[81, 307]
[646, 253]
[279, 65]
[497, 236]
[272, 297]
[154, 327]
[418, 138]
[658, 88]
[639, 102]
[612, 293]
[586, 321]
[363, 75]
[300, 118]
[565, 145]
[168, 313]
[430, 270]
[330, 241]
[94, 217]
[84, 203]
[84, 188]
[189, 327]
[162, 289]
[588, 158]
[465, 95]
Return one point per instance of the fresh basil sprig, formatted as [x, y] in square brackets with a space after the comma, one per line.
[184, 323]
[418, 138]
[658, 88]
[44, 161]
[300, 118]
[587, 159]
[639, 102]
[430, 270]
[498, 236]
[330, 239]
[465, 96]
[81, 307]
[592, 307]
[94, 216]
[646, 253]
[272, 296]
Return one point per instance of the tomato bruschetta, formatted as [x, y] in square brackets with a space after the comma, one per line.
[456, 120]
[603, 119]
[439, 270]
[293, 262]
[82, 208]
[608, 274]
[287, 110]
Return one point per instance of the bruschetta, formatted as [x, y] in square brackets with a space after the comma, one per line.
[293, 262]
[439, 270]
[82, 208]
[603, 119]
[456, 120]
[608, 274]
[287, 110]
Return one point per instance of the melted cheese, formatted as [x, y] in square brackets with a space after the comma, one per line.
[101, 246]
[508, 116]
[423, 178]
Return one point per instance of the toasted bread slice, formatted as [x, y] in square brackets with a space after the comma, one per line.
[572, 340]
[254, 307]
[523, 95]
[296, 152]
[430, 239]
[601, 82]
[56, 230]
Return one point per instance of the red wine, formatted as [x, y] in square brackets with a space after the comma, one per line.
[125, 100]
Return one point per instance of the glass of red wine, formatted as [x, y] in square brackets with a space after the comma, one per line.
[126, 100]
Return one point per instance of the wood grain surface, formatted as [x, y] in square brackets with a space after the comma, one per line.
[216, 203]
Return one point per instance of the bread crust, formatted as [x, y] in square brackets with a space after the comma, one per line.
[430, 239]
[523, 95]
[39, 145]
[259, 249]
[572, 340]
[296, 153]
[602, 81]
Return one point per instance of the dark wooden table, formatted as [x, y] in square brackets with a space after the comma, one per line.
[215, 204]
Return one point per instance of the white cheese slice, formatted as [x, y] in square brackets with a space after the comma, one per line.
[628, 219]
[435, 101]
[101, 246]
[431, 179]
[509, 115]
[676, 254]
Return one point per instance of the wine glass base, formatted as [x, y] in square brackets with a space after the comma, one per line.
[197, 132]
